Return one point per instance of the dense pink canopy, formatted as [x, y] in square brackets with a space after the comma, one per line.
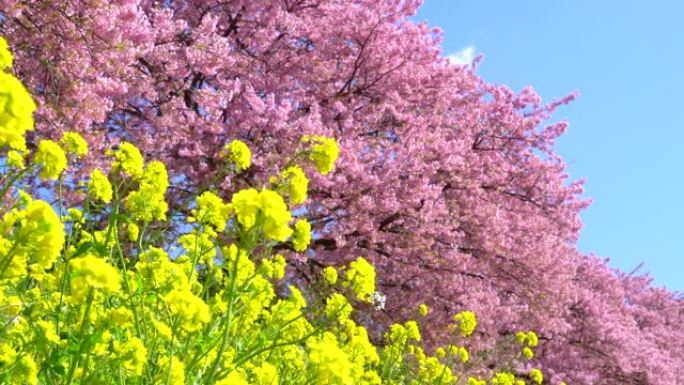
[449, 184]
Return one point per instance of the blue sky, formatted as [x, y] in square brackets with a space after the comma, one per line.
[626, 135]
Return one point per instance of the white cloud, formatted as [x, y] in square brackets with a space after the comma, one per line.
[464, 56]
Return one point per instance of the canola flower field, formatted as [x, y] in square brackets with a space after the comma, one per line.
[102, 292]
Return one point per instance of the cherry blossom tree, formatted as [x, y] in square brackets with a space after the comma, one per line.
[449, 184]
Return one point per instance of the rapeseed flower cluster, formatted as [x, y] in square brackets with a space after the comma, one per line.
[537, 376]
[191, 312]
[51, 158]
[211, 211]
[16, 105]
[453, 351]
[33, 220]
[332, 364]
[148, 202]
[105, 293]
[265, 207]
[296, 184]
[324, 152]
[301, 236]
[6, 56]
[129, 160]
[15, 159]
[476, 381]
[503, 378]
[423, 310]
[99, 187]
[330, 275]
[528, 341]
[239, 155]
[91, 272]
[361, 278]
[75, 144]
[466, 322]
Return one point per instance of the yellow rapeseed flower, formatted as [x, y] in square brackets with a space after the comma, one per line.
[239, 154]
[331, 362]
[529, 339]
[537, 376]
[503, 378]
[76, 215]
[266, 374]
[74, 143]
[177, 370]
[99, 187]
[412, 330]
[51, 158]
[246, 205]
[39, 232]
[274, 267]
[276, 215]
[47, 331]
[96, 273]
[148, 203]
[279, 265]
[163, 329]
[361, 278]
[268, 207]
[528, 353]
[466, 322]
[155, 176]
[192, 312]
[16, 112]
[324, 153]
[461, 353]
[337, 307]
[46, 232]
[233, 378]
[132, 354]
[129, 160]
[211, 211]
[330, 275]
[15, 159]
[423, 310]
[6, 56]
[7, 354]
[302, 235]
[133, 232]
[297, 184]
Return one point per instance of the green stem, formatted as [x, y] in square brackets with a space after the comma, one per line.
[229, 320]
[85, 367]
[13, 179]
[173, 335]
[59, 192]
[81, 333]
[196, 258]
